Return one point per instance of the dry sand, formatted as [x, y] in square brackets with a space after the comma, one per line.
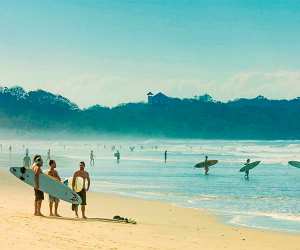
[160, 226]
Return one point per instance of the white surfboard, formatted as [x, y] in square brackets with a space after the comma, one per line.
[78, 183]
[47, 184]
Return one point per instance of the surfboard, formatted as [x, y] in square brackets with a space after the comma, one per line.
[249, 166]
[47, 184]
[78, 183]
[209, 164]
[295, 164]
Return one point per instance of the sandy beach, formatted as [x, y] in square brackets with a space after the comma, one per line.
[160, 225]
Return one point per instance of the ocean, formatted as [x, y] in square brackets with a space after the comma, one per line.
[270, 199]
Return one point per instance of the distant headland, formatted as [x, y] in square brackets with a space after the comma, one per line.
[200, 117]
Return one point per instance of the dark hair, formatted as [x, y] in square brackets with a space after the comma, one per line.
[36, 157]
[51, 162]
[82, 163]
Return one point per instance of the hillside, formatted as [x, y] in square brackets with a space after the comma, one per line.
[200, 117]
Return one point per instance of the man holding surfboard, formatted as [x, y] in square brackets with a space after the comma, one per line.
[206, 168]
[248, 166]
[86, 178]
[39, 195]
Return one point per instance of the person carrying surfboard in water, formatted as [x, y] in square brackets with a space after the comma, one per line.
[39, 195]
[86, 178]
[206, 168]
[53, 173]
[247, 169]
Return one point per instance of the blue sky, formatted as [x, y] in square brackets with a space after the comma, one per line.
[110, 52]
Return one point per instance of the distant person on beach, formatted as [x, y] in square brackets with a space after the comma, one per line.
[247, 169]
[92, 158]
[27, 160]
[86, 178]
[118, 156]
[166, 156]
[53, 173]
[1, 147]
[206, 168]
[48, 155]
[39, 195]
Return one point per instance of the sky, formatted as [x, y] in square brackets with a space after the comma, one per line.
[110, 52]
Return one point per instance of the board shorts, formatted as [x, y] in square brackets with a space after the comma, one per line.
[39, 195]
[53, 199]
[82, 195]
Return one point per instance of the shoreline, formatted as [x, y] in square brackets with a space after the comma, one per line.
[160, 225]
[219, 217]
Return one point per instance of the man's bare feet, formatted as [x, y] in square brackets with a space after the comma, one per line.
[84, 217]
[40, 214]
[57, 215]
[51, 214]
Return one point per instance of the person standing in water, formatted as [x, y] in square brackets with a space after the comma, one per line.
[166, 156]
[247, 169]
[48, 155]
[92, 158]
[206, 168]
[53, 173]
[26, 159]
[39, 195]
[86, 178]
[10, 150]
[118, 156]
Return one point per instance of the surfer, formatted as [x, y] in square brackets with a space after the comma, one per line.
[39, 195]
[53, 173]
[85, 175]
[247, 169]
[92, 158]
[27, 160]
[166, 155]
[206, 168]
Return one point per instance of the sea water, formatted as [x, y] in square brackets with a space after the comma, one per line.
[270, 199]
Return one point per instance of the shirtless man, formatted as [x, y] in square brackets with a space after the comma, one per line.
[39, 195]
[85, 175]
[53, 173]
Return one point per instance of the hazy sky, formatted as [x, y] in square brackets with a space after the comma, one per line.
[109, 52]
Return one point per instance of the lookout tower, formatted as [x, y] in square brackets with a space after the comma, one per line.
[150, 95]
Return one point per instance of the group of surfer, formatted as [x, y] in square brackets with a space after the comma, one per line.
[39, 195]
[206, 164]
